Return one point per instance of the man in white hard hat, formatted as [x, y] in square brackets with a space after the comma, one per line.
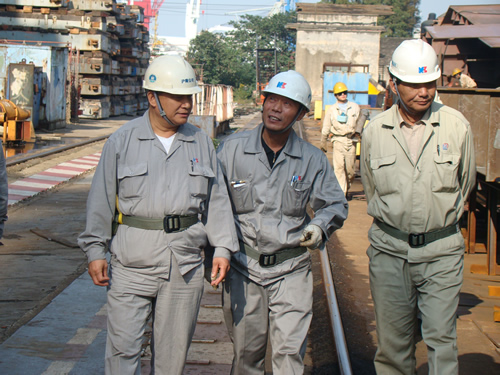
[340, 126]
[272, 175]
[417, 169]
[158, 181]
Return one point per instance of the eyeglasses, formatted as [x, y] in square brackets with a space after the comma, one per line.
[341, 93]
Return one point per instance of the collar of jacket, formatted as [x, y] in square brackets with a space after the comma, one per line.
[184, 133]
[432, 118]
[254, 145]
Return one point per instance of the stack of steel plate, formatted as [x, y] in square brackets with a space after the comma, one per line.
[106, 39]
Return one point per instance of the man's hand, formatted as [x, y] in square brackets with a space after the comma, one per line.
[98, 271]
[220, 266]
[312, 236]
[323, 145]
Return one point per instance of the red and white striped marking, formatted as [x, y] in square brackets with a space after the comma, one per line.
[33, 185]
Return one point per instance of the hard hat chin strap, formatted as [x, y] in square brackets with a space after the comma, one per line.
[399, 97]
[162, 112]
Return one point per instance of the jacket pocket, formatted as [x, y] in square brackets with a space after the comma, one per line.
[199, 181]
[384, 169]
[132, 180]
[445, 176]
[242, 197]
[295, 199]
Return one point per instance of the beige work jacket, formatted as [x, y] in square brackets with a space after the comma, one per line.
[331, 125]
[423, 196]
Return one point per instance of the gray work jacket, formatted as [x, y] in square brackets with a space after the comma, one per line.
[269, 204]
[418, 197]
[151, 183]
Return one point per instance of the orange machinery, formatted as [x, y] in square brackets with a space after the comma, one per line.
[12, 117]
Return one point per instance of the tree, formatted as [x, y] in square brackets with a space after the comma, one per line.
[399, 24]
[230, 58]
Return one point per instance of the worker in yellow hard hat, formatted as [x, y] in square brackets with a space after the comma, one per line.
[464, 79]
[340, 126]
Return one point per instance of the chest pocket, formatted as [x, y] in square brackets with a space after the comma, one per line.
[132, 180]
[295, 199]
[199, 178]
[445, 176]
[242, 197]
[384, 170]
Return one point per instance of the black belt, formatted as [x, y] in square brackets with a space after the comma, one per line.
[269, 260]
[170, 223]
[418, 239]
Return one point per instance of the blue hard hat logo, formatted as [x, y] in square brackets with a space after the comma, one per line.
[152, 78]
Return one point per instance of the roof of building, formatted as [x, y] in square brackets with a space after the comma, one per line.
[323, 8]
[470, 21]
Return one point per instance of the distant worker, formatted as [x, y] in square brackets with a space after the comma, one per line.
[339, 126]
[272, 176]
[417, 170]
[159, 182]
[4, 192]
[465, 81]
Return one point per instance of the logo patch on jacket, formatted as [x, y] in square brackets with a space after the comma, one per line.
[446, 146]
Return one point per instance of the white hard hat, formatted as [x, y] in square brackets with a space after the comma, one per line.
[415, 61]
[171, 74]
[291, 85]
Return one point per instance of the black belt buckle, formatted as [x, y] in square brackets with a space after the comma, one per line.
[267, 260]
[171, 223]
[416, 239]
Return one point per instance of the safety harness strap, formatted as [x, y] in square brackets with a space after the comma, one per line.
[269, 260]
[418, 239]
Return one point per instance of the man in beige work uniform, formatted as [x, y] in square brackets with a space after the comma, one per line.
[340, 123]
[417, 169]
[158, 179]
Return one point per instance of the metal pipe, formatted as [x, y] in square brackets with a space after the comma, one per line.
[338, 329]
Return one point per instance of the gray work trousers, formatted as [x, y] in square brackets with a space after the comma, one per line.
[281, 311]
[132, 295]
[400, 291]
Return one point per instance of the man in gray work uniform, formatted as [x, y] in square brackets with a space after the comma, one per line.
[159, 181]
[417, 168]
[272, 175]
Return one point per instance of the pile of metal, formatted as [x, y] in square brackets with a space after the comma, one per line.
[108, 44]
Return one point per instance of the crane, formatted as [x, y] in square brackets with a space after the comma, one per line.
[151, 9]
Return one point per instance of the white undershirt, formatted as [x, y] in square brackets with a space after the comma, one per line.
[167, 142]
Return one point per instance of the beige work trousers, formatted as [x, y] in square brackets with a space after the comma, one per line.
[344, 159]
[281, 311]
[402, 292]
[132, 295]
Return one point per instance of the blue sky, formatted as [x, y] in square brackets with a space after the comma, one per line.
[172, 13]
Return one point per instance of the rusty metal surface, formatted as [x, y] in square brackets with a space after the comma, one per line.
[482, 109]
[474, 14]
[470, 21]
